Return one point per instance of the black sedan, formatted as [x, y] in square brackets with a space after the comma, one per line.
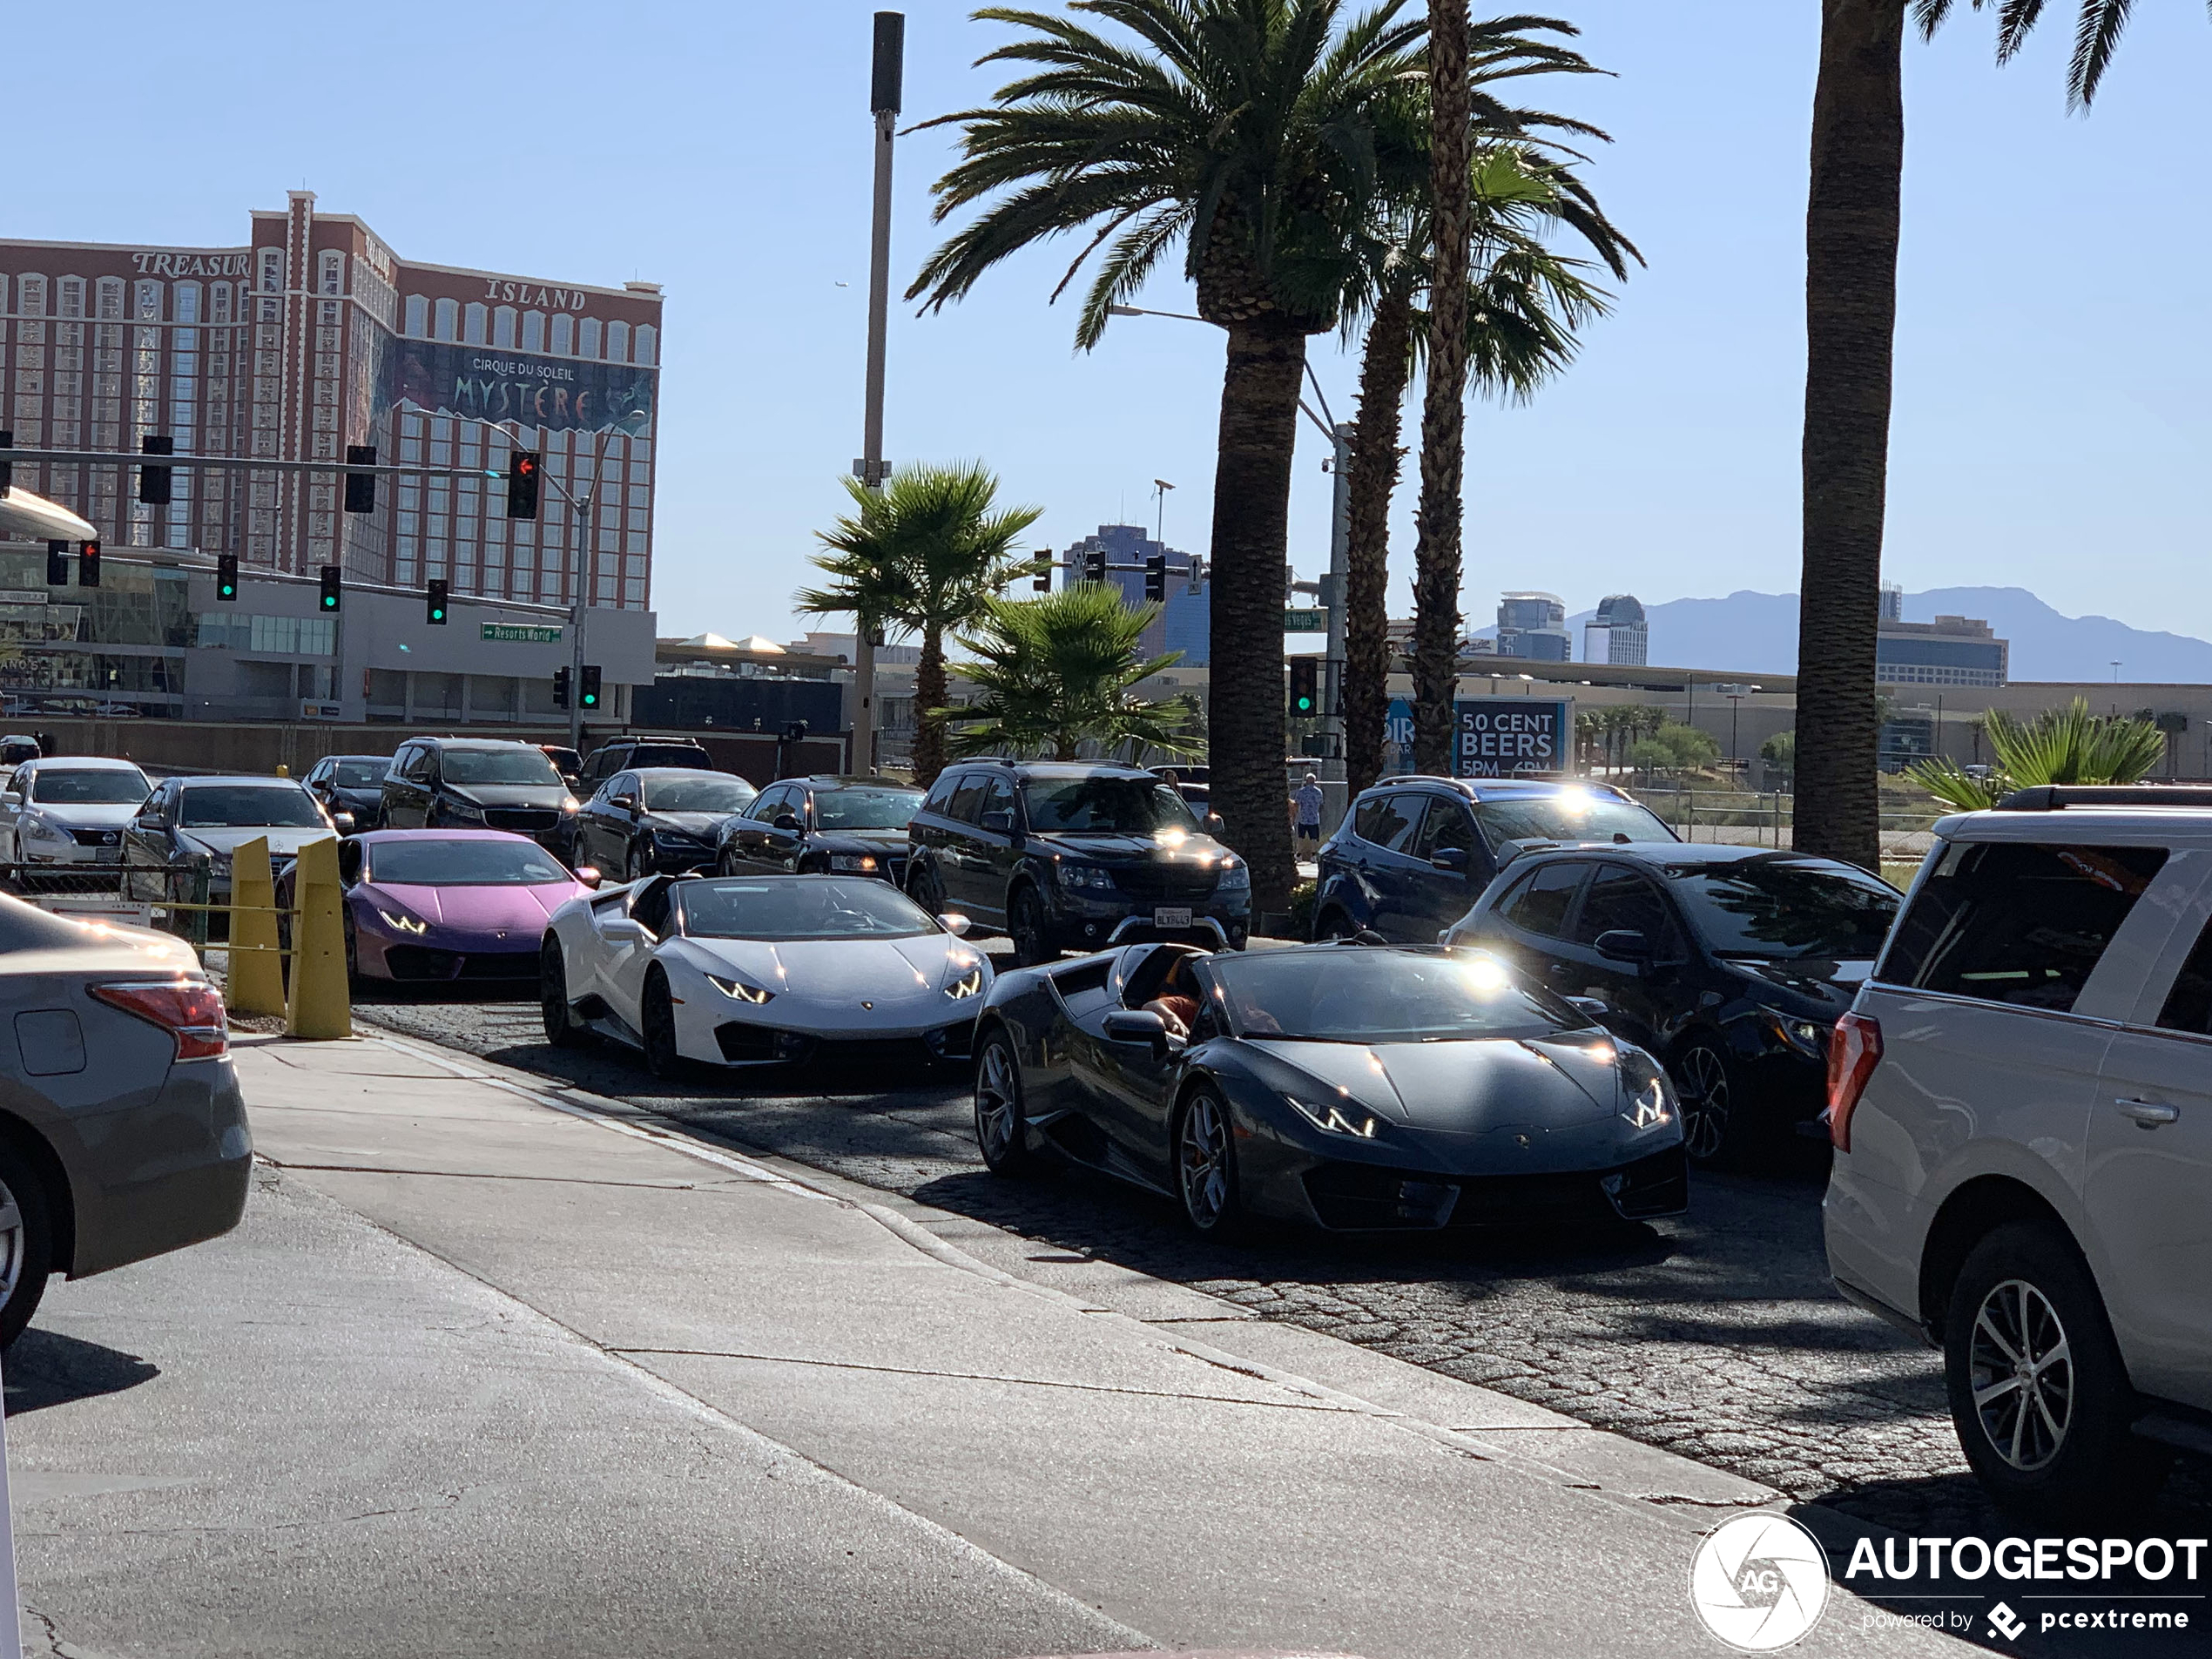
[1730, 962]
[353, 784]
[829, 825]
[1352, 1087]
[650, 821]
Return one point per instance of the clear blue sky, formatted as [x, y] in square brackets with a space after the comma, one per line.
[2051, 417]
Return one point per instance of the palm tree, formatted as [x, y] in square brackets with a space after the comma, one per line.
[1852, 220]
[1251, 134]
[1057, 671]
[928, 554]
[2069, 745]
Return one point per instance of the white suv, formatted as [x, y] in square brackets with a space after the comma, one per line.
[2021, 1101]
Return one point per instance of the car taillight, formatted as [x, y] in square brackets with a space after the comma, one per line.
[190, 1010]
[1853, 1053]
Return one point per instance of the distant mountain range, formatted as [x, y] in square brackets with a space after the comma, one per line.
[1757, 633]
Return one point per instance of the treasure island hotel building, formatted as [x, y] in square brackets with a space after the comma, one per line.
[314, 335]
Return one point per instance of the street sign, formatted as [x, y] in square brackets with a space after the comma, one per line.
[521, 633]
[1511, 736]
[1305, 622]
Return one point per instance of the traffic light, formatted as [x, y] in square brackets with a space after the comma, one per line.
[7, 467]
[1305, 698]
[434, 608]
[58, 564]
[330, 574]
[1095, 564]
[88, 564]
[227, 577]
[361, 487]
[1042, 581]
[1156, 577]
[560, 688]
[522, 484]
[153, 482]
[588, 696]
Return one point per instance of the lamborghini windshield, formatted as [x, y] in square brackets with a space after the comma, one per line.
[1339, 994]
[793, 908]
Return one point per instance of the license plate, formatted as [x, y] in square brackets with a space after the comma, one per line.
[1177, 917]
[106, 854]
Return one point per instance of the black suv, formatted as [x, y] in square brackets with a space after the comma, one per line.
[1413, 852]
[351, 783]
[478, 783]
[1074, 856]
[834, 825]
[627, 754]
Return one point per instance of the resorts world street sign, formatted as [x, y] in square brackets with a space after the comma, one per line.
[521, 633]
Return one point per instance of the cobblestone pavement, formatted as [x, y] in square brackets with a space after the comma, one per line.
[1715, 1335]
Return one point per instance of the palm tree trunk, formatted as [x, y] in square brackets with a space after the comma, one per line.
[1436, 548]
[931, 693]
[1375, 456]
[1251, 499]
[1851, 320]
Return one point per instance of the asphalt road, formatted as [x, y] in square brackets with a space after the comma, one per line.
[1715, 1335]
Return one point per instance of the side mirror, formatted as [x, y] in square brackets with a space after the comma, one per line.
[1138, 1028]
[956, 925]
[1623, 944]
[1215, 825]
[343, 822]
[788, 824]
[1451, 859]
[1592, 1006]
[623, 930]
[1000, 822]
[627, 803]
[587, 875]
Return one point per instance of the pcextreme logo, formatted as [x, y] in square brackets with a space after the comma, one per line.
[1759, 1581]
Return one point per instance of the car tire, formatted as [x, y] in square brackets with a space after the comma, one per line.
[1331, 924]
[562, 1030]
[2023, 1311]
[26, 1245]
[1025, 925]
[657, 1027]
[1712, 1121]
[633, 864]
[725, 863]
[1206, 1166]
[1002, 1120]
[352, 951]
[925, 888]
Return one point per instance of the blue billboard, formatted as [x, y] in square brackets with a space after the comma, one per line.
[1512, 737]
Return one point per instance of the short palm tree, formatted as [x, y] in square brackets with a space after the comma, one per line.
[2069, 745]
[1251, 135]
[926, 554]
[1852, 228]
[1055, 672]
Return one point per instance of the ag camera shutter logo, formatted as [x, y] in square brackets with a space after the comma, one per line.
[1759, 1581]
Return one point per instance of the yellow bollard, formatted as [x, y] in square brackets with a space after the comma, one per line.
[322, 1006]
[256, 983]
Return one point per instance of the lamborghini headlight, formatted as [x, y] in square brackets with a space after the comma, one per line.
[1649, 1098]
[1336, 1117]
[405, 924]
[737, 987]
[969, 984]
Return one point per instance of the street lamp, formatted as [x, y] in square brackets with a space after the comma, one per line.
[1735, 694]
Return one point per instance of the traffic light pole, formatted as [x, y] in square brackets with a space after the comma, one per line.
[884, 98]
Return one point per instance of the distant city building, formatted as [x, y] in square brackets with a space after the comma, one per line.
[1892, 602]
[1951, 650]
[1618, 633]
[1532, 626]
[1185, 623]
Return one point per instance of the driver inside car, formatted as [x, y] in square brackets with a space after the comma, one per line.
[1177, 1000]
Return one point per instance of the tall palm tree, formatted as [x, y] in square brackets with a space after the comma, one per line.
[1852, 220]
[1251, 134]
[926, 554]
[1057, 671]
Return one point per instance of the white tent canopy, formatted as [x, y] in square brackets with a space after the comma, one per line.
[24, 516]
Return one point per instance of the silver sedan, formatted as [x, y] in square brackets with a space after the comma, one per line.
[70, 811]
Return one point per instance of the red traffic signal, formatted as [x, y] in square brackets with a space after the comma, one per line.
[522, 484]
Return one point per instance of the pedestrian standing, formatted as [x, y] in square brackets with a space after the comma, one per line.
[1307, 802]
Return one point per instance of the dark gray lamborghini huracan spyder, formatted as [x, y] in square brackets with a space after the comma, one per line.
[1348, 1086]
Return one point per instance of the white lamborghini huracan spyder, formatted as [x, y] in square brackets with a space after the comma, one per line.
[758, 970]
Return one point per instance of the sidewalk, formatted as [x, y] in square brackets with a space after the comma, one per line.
[700, 1402]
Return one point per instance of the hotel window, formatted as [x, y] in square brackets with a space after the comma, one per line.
[533, 331]
[502, 327]
[334, 272]
[617, 342]
[648, 344]
[418, 315]
[218, 303]
[472, 329]
[33, 290]
[448, 323]
[272, 270]
[149, 302]
[563, 334]
[587, 342]
[110, 296]
[72, 297]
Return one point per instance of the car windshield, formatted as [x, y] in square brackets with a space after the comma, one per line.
[707, 791]
[463, 863]
[864, 809]
[1105, 806]
[1340, 993]
[516, 765]
[103, 788]
[1772, 907]
[249, 807]
[1569, 815]
[359, 775]
[668, 754]
[807, 907]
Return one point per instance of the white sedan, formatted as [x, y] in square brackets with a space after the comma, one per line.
[758, 970]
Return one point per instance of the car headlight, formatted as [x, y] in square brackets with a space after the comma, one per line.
[37, 829]
[859, 863]
[1336, 1117]
[1077, 877]
[570, 804]
[1650, 1097]
[1803, 1036]
[464, 810]
[969, 984]
[737, 987]
[670, 833]
[403, 923]
[1236, 877]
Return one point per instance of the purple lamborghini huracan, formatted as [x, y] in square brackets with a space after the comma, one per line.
[449, 904]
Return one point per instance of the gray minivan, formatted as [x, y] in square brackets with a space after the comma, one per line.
[2021, 1102]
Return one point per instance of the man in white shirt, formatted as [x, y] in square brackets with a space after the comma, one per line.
[1308, 803]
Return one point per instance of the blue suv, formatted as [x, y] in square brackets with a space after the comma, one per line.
[1414, 852]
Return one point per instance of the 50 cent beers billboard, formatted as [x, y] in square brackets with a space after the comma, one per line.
[1510, 737]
